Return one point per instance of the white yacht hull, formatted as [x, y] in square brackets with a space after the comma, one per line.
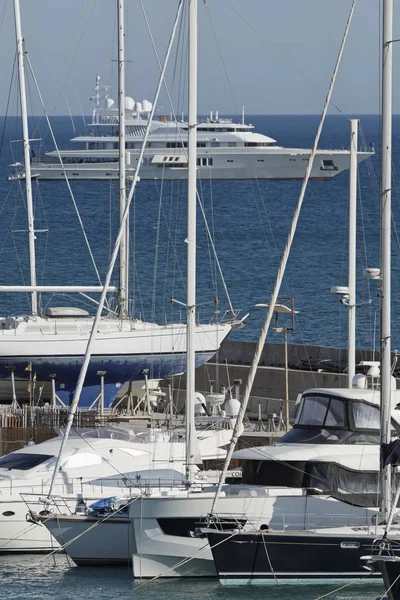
[123, 349]
[19, 535]
[104, 543]
[156, 549]
[158, 552]
[276, 163]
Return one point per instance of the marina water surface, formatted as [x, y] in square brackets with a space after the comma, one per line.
[32, 577]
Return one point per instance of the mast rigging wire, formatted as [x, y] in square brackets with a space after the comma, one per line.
[96, 321]
[64, 172]
[281, 271]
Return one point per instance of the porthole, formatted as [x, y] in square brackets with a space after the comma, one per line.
[8, 513]
[350, 545]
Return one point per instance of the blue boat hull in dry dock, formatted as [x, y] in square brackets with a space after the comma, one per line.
[118, 370]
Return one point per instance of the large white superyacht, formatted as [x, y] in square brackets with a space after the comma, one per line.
[225, 149]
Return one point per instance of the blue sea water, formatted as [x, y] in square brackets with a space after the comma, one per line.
[29, 577]
[249, 220]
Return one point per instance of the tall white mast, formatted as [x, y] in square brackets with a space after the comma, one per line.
[386, 215]
[27, 153]
[351, 348]
[124, 248]
[191, 244]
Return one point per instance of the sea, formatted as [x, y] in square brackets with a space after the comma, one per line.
[32, 578]
[249, 222]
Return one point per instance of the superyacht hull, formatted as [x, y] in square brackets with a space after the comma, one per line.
[289, 164]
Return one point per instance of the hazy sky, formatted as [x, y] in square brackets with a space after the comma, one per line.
[270, 56]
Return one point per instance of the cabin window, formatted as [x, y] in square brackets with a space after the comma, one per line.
[313, 411]
[23, 461]
[365, 416]
[321, 411]
[335, 414]
[328, 165]
[210, 162]
[201, 144]
[204, 162]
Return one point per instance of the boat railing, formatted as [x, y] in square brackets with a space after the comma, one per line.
[288, 522]
[90, 488]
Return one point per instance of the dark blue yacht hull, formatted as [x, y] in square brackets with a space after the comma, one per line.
[118, 370]
[293, 557]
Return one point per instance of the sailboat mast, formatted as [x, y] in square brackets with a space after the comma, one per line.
[191, 243]
[124, 248]
[351, 349]
[27, 153]
[386, 215]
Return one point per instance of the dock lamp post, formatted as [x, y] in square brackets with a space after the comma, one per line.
[285, 309]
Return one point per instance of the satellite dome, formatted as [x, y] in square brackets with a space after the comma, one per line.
[359, 381]
[129, 103]
[138, 107]
[147, 106]
[109, 102]
[232, 407]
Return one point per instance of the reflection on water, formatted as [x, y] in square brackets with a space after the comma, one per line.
[28, 577]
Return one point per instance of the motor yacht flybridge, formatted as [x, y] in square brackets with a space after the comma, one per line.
[225, 149]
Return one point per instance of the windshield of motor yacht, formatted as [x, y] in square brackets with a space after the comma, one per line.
[23, 461]
[334, 419]
[111, 432]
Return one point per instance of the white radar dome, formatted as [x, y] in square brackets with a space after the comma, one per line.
[147, 106]
[359, 381]
[232, 407]
[138, 107]
[109, 102]
[129, 103]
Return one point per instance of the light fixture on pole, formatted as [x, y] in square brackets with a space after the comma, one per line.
[284, 309]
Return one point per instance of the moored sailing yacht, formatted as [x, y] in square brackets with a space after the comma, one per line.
[53, 343]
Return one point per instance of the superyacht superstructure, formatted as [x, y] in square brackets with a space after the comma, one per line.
[225, 149]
